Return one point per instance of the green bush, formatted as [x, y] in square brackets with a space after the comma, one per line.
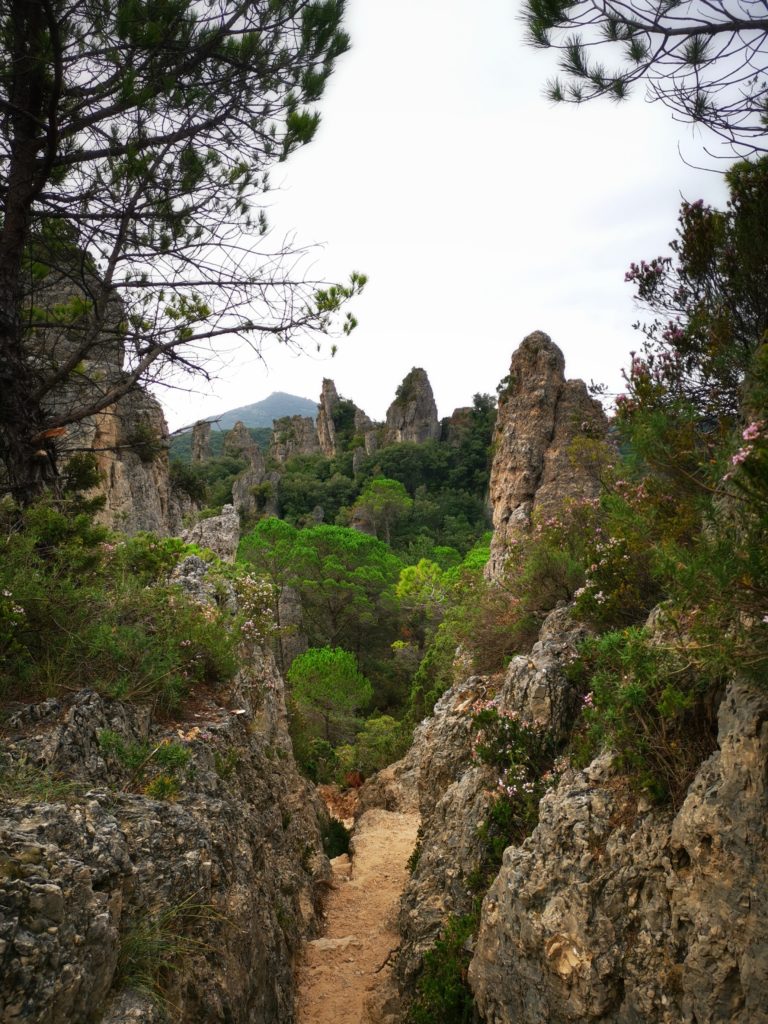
[523, 756]
[443, 995]
[651, 708]
[336, 837]
[80, 608]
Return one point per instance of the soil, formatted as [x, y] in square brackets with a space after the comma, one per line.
[344, 968]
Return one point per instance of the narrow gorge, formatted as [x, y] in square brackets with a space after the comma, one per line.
[162, 857]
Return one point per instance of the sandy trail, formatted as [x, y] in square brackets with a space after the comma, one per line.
[339, 970]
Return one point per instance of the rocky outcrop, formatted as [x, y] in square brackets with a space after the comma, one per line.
[453, 795]
[220, 534]
[248, 497]
[540, 416]
[201, 441]
[326, 431]
[293, 435]
[616, 912]
[130, 444]
[239, 443]
[455, 790]
[99, 881]
[454, 427]
[413, 414]
[129, 438]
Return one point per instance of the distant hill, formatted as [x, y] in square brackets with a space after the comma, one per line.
[261, 414]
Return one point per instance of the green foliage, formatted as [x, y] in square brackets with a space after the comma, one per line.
[153, 769]
[145, 442]
[26, 782]
[436, 672]
[649, 706]
[345, 581]
[309, 482]
[154, 945]
[382, 741]
[316, 757]
[522, 754]
[327, 684]
[381, 504]
[336, 837]
[709, 304]
[226, 763]
[79, 608]
[442, 991]
[690, 59]
[344, 423]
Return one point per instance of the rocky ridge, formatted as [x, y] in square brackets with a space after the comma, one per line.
[224, 880]
[617, 912]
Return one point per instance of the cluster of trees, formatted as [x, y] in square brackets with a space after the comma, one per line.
[367, 616]
[412, 496]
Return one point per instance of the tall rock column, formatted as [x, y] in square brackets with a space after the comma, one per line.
[201, 441]
[413, 414]
[326, 431]
[540, 415]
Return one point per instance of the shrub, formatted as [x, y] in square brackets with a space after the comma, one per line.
[336, 837]
[442, 992]
[79, 607]
[648, 706]
[522, 754]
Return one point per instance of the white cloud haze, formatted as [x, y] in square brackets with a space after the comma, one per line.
[479, 211]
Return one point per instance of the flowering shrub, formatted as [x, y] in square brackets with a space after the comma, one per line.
[646, 705]
[523, 755]
[256, 599]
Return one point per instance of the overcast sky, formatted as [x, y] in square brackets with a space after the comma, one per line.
[479, 211]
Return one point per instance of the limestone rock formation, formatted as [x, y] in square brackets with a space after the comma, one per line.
[238, 442]
[413, 414]
[454, 791]
[245, 497]
[616, 912]
[454, 427]
[453, 800]
[201, 441]
[326, 431]
[130, 437]
[230, 871]
[293, 435]
[540, 415]
[221, 534]
[130, 443]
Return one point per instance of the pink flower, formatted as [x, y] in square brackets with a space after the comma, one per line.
[742, 455]
[752, 431]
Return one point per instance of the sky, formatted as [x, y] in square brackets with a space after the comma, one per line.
[479, 211]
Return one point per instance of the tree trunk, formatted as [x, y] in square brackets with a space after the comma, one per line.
[29, 458]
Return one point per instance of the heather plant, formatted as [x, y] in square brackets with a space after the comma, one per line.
[523, 755]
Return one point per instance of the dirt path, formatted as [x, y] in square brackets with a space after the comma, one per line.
[339, 971]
